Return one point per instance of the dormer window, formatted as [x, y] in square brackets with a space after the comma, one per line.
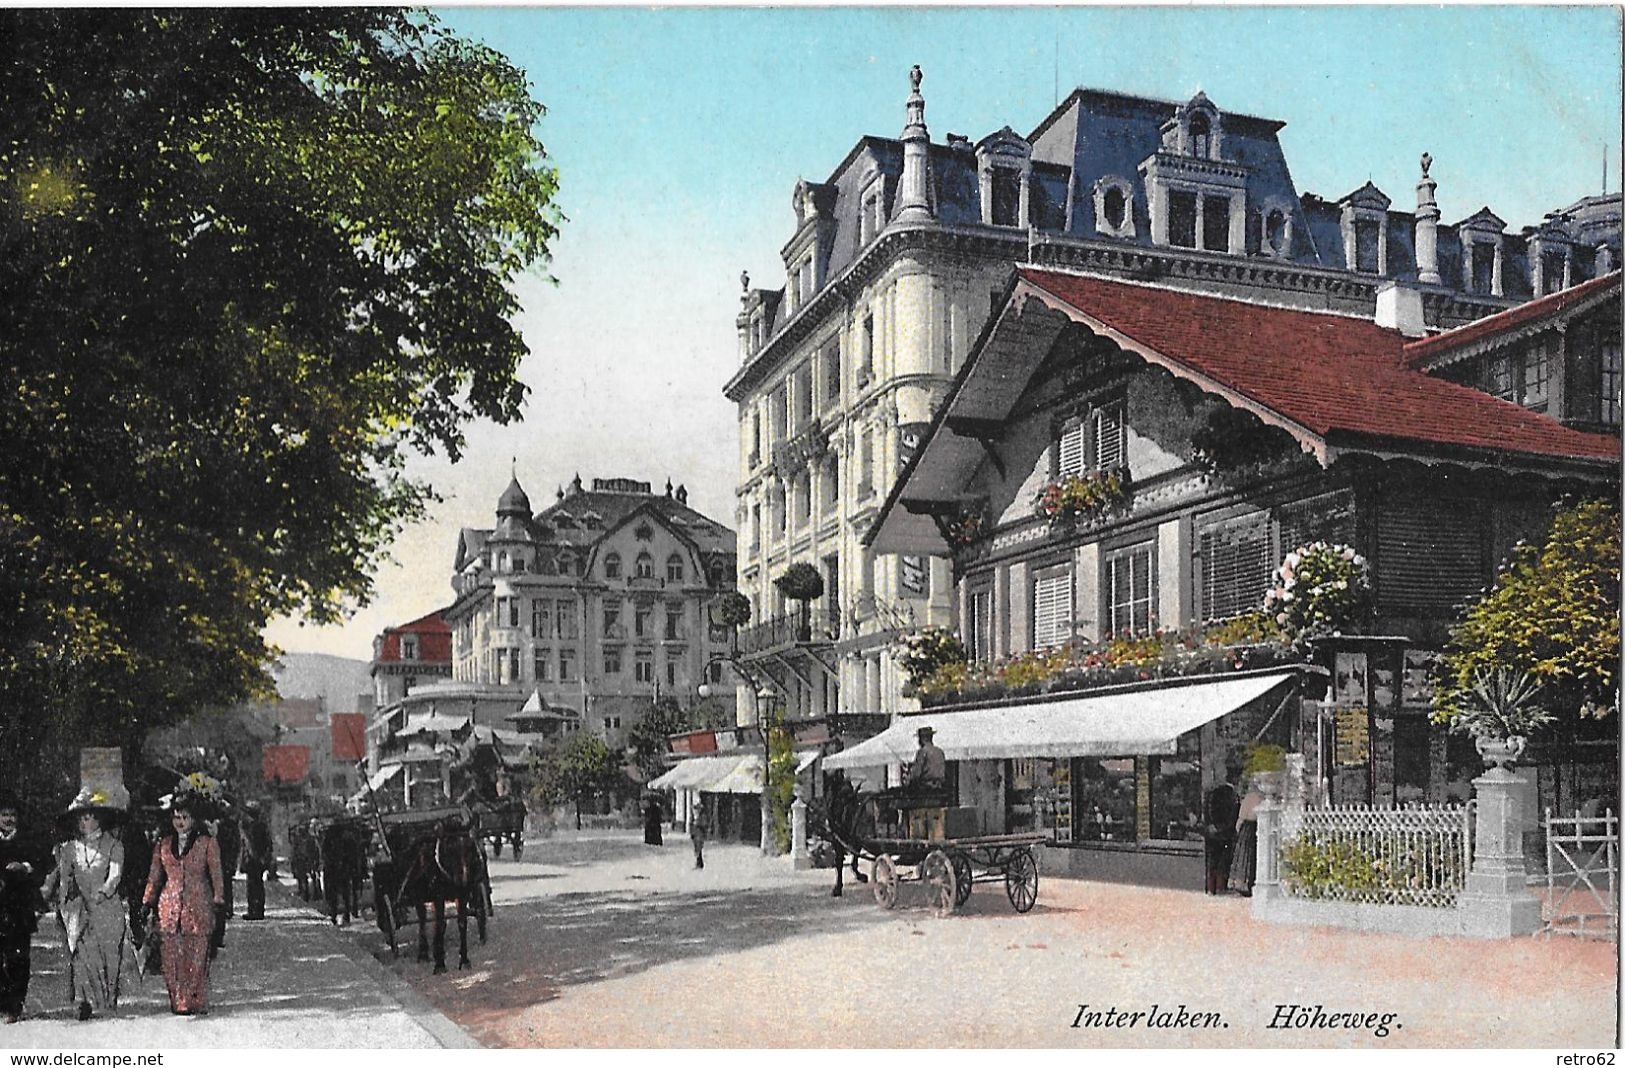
[1201, 136]
[612, 566]
[645, 566]
[1483, 248]
[1004, 167]
[1364, 223]
[409, 648]
[1096, 441]
[674, 568]
[1275, 229]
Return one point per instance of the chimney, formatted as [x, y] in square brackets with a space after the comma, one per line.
[914, 205]
[1399, 307]
[1427, 228]
[682, 494]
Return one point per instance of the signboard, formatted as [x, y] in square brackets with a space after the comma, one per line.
[1353, 745]
[913, 572]
[100, 768]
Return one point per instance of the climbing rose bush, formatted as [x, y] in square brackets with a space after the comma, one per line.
[1318, 589]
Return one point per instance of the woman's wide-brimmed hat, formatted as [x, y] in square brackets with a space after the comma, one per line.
[100, 799]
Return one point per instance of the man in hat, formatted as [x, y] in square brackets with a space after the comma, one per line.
[258, 858]
[929, 772]
[23, 867]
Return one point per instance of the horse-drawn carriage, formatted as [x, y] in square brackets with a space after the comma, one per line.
[501, 821]
[923, 840]
[431, 857]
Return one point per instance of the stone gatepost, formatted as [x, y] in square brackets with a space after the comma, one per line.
[798, 833]
[1496, 902]
[1267, 880]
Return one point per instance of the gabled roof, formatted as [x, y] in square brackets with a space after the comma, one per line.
[1548, 308]
[434, 640]
[1337, 383]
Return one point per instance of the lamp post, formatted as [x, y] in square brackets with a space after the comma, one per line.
[759, 693]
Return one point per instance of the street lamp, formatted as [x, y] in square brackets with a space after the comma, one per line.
[759, 694]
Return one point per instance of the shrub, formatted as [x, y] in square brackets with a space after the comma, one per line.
[1319, 589]
[924, 653]
[801, 582]
[1082, 498]
[731, 609]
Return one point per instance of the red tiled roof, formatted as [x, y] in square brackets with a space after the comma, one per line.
[285, 763]
[434, 640]
[1329, 374]
[1422, 349]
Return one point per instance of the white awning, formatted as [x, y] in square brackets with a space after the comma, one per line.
[1141, 722]
[704, 773]
[379, 777]
[806, 760]
[432, 724]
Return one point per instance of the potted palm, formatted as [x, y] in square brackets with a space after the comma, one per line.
[802, 584]
[1499, 709]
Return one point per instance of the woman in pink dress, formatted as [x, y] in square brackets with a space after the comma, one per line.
[187, 887]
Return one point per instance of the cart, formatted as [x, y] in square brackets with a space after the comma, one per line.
[502, 821]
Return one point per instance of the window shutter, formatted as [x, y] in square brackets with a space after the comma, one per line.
[1429, 558]
[1327, 517]
[1069, 450]
[1236, 567]
[1052, 610]
[1109, 444]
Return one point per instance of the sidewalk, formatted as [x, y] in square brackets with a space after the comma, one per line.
[292, 981]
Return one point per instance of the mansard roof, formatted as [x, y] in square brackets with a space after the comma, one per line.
[1514, 322]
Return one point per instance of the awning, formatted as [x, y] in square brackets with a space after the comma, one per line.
[745, 778]
[376, 782]
[1141, 722]
[702, 773]
[806, 760]
[432, 724]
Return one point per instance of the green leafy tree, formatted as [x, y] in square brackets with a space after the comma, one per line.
[250, 262]
[577, 770]
[647, 737]
[1553, 613]
[781, 783]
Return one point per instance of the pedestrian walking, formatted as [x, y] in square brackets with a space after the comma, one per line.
[229, 841]
[185, 900]
[652, 816]
[697, 828]
[83, 885]
[1220, 807]
[23, 867]
[1244, 868]
[258, 858]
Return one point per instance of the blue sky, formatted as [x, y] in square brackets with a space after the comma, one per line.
[679, 135]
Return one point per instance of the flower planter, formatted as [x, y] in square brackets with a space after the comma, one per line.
[1500, 752]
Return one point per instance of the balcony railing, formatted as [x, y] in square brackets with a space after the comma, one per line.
[797, 628]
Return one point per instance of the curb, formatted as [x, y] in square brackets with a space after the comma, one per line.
[415, 1005]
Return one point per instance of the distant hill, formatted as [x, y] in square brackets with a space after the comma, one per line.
[335, 679]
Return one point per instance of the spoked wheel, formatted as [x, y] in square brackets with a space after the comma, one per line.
[938, 875]
[962, 878]
[885, 882]
[1021, 880]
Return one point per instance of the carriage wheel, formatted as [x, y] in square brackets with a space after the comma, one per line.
[885, 882]
[940, 884]
[1021, 880]
[962, 878]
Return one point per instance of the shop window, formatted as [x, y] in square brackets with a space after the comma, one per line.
[612, 566]
[1052, 607]
[1176, 791]
[1130, 592]
[1181, 219]
[1104, 802]
[1040, 797]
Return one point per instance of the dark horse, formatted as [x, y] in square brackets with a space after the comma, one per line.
[305, 859]
[445, 864]
[344, 867]
[842, 818]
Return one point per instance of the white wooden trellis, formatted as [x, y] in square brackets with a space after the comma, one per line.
[1412, 856]
[1582, 875]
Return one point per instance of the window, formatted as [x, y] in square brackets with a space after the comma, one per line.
[612, 723]
[612, 661]
[643, 622]
[775, 503]
[1536, 370]
[612, 621]
[1130, 592]
[755, 438]
[866, 351]
[779, 413]
[543, 659]
[1608, 412]
[866, 464]
[1052, 607]
[1114, 204]
[645, 666]
[829, 480]
[1201, 136]
[1499, 376]
[1483, 266]
[674, 623]
[980, 644]
[565, 620]
[1105, 809]
[713, 672]
[1110, 437]
[671, 673]
[802, 499]
[1366, 248]
[1275, 232]
[804, 395]
[1069, 449]
[567, 665]
[409, 648]
[507, 612]
[1236, 567]
[1006, 197]
[645, 566]
[1176, 789]
[674, 568]
[508, 666]
[1551, 272]
[1182, 219]
[612, 566]
[832, 374]
[541, 619]
[1216, 224]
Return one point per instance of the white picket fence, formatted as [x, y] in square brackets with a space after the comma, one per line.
[1582, 875]
[1385, 856]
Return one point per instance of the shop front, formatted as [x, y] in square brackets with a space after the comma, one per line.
[1113, 778]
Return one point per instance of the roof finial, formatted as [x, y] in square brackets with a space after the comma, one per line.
[1427, 161]
[914, 202]
[744, 281]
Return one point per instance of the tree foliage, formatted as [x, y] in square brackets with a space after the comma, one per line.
[250, 260]
[801, 582]
[577, 769]
[1554, 613]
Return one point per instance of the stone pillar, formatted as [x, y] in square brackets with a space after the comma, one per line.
[914, 202]
[1267, 881]
[1427, 227]
[1497, 284]
[1496, 902]
[798, 833]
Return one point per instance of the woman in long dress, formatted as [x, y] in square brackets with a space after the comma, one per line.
[187, 888]
[83, 885]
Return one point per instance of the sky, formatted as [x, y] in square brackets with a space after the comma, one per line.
[679, 134]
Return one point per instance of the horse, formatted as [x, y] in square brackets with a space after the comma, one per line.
[842, 817]
[305, 859]
[343, 851]
[445, 864]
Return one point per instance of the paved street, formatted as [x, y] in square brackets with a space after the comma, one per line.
[602, 941]
[289, 982]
